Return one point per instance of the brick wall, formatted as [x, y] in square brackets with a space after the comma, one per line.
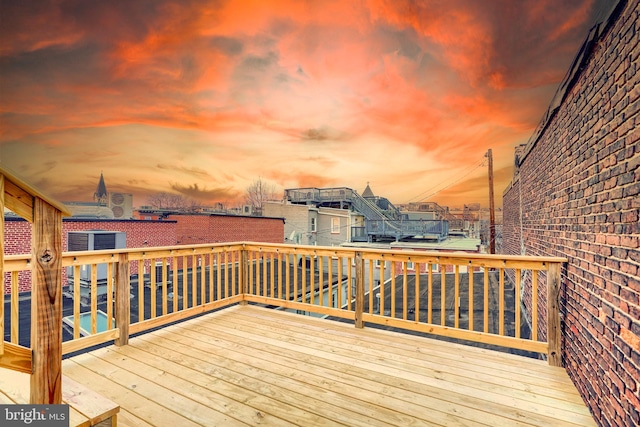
[178, 230]
[216, 228]
[139, 233]
[579, 179]
[17, 237]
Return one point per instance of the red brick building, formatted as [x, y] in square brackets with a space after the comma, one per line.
[216, 228]
[576, 194]
[175, 230]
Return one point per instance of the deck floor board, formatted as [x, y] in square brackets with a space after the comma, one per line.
[246, 365]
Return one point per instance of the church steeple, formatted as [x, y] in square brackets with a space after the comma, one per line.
[100, 196]
[367, 192]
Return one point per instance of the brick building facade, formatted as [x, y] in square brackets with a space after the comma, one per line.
[176, 230]
[216, 228]
[576, 194]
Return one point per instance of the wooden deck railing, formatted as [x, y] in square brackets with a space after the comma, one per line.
[463, 296]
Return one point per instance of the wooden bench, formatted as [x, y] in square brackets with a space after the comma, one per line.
[86, 407]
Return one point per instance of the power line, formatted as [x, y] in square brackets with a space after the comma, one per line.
[480, 164]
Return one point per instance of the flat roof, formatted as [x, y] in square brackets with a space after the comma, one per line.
[455, 244]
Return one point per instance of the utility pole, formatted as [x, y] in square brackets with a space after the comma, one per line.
[492, 211]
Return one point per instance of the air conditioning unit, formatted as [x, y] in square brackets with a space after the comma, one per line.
[247, 210]
[93, 240]
[121, 204]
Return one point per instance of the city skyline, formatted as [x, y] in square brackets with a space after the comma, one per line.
[203, 98]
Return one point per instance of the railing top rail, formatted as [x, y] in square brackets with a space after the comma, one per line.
[450, 255]
[23, 261]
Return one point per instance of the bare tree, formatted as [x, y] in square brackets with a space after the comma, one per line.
[259, 192]
[176, 202]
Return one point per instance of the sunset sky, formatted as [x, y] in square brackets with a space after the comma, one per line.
[202, 98]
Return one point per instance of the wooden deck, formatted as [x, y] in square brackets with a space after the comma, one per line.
[246, 365]
[86, 407]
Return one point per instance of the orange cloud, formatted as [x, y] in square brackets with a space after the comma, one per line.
[302, 93]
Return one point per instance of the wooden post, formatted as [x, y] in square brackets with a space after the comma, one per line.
[123, 304]
[46, 304]
[244, 276]
[553, 315]
[492, 209]
[359, 290]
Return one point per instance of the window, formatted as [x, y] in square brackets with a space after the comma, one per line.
[335, 225]
[313, 225]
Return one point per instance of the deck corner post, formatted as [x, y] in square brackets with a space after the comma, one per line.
[46, 305]
[123, 303]
[359, 322]
[554, 331]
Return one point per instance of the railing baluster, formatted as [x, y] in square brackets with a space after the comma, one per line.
[219, 275]
[303, 294]
[416, 292]
[350, 280]
[185, 283]
[429, 293]
[234, 281]
[340, 260]
[279, 280]
[456, 297]
[392, 293]
[210, 266]
[330, 281]
[294, 296]
[203, 280]
[470, 270]
[76, 301]
[517, 302]
[141, 298]
[94, 297]
[194, 281]
[371, 286]
[226, 273]
[405, 285]
[312, 289]
[501, 307]
[486, 300]
[443, 294]
[264, 276]
[250, 259]
[110, 276]
[359, 322]
[272, 269]
[534, 305]
[320, 280]
[165, 285]
[382, 281]
[174, 280]
[244, 278]
[287, 273]
[152, 287]
[15, 313]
